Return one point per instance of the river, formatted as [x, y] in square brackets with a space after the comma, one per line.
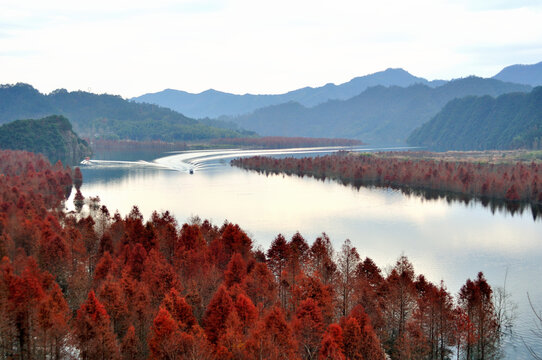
[448, 241]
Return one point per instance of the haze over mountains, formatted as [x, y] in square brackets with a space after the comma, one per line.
[212, 103]
[379, 109]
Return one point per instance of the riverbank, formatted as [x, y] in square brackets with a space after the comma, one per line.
[492, 175]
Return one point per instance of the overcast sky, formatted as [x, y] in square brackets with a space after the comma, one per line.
[249, 46]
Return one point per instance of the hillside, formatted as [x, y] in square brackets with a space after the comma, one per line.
[52, 136]
[522, 74]
[477, 123]
[106, 116]
[212, 103]
[378, 116]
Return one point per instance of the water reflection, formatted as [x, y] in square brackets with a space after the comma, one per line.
[445, 238]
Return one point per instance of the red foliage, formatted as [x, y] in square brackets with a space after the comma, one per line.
[93, 334]
[515, 182]
[158, 285]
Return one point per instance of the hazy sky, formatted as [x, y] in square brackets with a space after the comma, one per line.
[133, 47]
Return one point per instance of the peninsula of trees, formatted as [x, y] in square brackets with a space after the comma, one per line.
[96, 285]
[510, 181]
[52, 136]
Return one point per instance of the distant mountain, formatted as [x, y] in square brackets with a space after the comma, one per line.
[479, 123]
[522, 74]
[52, 136]
[107, 116]
[379, 116]
[212, 103]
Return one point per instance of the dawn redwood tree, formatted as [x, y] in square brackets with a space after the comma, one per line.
[311, 287]
[53, 319]
[348, 260]
[94, 336]
[235, 271]
[130, 347]
[400, 300]
[217, 313]
[260, 285]
[165, 337]
[158, 274]
[272, 338]
[475, 298]
[112, 297]
[179, 309]
[77, 178]
[246, 312]
[232, 340]
[352, 339]
[370, 346]
[331, 347]
[308, 328]
[54, 255]
[277, 257]
[233, 240]
[297, 260]
[321, 259]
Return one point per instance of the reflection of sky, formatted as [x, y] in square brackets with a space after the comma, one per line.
[445, 241]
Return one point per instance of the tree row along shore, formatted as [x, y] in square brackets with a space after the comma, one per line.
[94, 285]
[514, 181]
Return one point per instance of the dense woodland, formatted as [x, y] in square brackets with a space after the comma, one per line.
[510, 121]
[52, 136]
[96, 285]
[106, 116]
[512, 182]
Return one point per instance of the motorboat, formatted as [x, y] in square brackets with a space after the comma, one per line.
[86, 162]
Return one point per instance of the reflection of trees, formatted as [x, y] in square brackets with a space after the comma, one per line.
[494, 205]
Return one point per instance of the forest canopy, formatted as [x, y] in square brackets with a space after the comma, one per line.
[95, 285]
[106, 116]
[510, 121]
[52, 136]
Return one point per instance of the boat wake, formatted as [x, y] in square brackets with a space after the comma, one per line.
[202, 160]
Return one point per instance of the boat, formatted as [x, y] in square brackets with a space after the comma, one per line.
[86, 162]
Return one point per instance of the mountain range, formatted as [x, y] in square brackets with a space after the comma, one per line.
[378, 116]
[212, 103]
[107, 116]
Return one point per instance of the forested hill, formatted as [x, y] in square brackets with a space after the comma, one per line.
[212, 103]
[379, 116]
[478, 123]
[106, 116]
[52, 136]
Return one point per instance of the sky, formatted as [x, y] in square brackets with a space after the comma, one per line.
[134, 47]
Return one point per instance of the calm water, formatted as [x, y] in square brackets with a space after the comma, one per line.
[444, 241]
